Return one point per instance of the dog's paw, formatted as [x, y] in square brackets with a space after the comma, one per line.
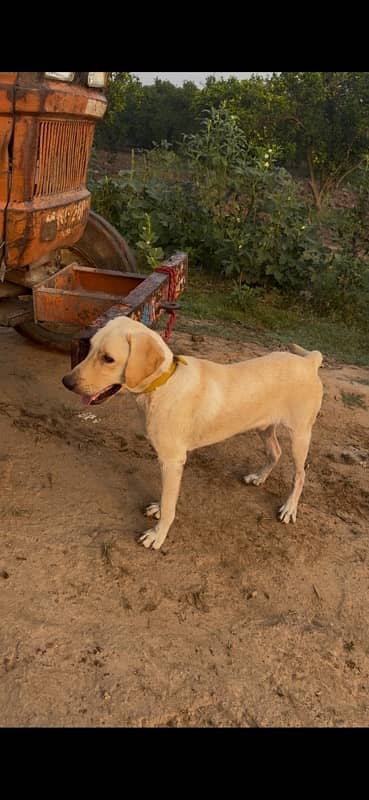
[152, 510]
[152, 539]
[255, 478]
[288, 512]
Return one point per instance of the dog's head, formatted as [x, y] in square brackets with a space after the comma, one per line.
[123, 355]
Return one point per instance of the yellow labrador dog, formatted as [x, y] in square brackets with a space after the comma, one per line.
[191, 402]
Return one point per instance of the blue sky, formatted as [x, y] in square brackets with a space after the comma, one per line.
[197, 77]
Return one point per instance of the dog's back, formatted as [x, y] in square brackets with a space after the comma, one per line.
[221, 400]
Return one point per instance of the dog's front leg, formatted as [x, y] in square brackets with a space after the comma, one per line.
[171, 475]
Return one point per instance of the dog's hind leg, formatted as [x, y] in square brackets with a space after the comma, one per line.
[300, 449]
[273, 453]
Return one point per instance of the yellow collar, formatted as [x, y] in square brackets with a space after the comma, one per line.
[166, 375]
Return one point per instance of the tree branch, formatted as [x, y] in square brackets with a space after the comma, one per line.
[348, 172]
[313, 182]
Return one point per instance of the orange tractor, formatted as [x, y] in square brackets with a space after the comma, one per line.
[62, 266]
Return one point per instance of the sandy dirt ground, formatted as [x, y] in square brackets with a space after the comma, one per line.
[238, 621]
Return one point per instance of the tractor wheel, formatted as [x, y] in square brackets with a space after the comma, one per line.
[101, 246]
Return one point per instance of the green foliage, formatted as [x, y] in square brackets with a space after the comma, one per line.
[123, 89]
[343, 287]
[120, 86]
[220, 147]
[145, 115]
[316, 122]
[322, 120]
[239, 215]
[252, 101]
[146, 245]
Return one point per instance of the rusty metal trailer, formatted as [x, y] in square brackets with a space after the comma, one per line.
[88, 298]
[91, 298]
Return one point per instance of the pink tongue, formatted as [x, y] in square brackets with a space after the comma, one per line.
[88, 398]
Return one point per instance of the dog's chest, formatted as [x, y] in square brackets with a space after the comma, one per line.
[142, 415]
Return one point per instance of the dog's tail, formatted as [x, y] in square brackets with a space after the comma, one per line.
[314, 355]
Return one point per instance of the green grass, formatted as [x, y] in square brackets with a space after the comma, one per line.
[353, 400]
[269, 320]
[363, 381]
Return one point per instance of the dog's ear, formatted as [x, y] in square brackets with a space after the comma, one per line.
[145, 357]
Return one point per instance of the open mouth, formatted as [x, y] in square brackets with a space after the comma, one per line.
[100, 397]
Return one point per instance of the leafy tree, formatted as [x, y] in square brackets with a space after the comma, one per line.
[121, 88]
[252, 101]
[322, 120]
[156, 113]
[317, 121]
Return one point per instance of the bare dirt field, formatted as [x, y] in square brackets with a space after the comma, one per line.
[238, 621]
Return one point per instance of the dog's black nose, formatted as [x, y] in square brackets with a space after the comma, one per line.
[69, 382]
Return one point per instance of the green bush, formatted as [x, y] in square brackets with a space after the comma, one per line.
[240, 216]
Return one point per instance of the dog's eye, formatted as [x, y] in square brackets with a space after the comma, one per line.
[108, 359]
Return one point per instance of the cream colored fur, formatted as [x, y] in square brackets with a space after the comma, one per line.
[204, 402]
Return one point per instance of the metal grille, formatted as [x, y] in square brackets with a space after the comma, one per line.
[63, 154]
